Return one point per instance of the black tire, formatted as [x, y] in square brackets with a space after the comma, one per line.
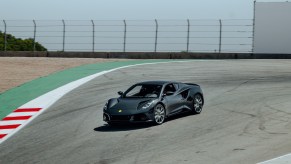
[159, 114]
[198, 103]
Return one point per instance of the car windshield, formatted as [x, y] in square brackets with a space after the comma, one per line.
[144, 90]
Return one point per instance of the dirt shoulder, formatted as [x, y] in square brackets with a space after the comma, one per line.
[15, 71]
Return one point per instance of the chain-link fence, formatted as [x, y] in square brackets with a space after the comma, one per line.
[135, 35]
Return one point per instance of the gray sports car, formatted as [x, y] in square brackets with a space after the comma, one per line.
[153, 101]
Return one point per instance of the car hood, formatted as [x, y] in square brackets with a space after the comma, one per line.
[127, 105]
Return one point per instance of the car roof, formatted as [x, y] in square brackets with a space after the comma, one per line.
[157, 82]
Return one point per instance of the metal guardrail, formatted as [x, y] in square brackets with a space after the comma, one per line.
[135, 35]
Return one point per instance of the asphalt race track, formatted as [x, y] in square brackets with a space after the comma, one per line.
[246, 119]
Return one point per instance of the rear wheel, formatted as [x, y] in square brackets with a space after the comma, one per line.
[159, 114]
[197, 104]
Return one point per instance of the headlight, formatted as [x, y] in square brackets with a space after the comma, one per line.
[105, 106]
[147, 104]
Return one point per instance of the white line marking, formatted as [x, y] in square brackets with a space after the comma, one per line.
[12, 122]
[285, 159]
[6, 131]
[21, 114]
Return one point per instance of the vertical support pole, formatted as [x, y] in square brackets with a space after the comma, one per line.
[124, 38]
[220, 34]
[93, 41]
[34, 35]
[254, 23]
[188, 35]
[64, 34]
[156, 38]
[5, 35]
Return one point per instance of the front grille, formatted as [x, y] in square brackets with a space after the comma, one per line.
[140, 117]
[120, 118]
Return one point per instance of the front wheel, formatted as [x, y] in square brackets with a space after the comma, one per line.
[197, 104]
[159, 114]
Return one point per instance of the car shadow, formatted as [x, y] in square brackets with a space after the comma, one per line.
[135, 126]
[122, 127]
[180, 115]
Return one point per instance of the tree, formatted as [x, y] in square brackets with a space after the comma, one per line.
[18, 44]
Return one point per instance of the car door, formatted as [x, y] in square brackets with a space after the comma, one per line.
[186, 101]
[171, 98]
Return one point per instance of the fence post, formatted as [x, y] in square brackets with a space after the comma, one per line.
[254, 23]
[156, 38]
[220, 34]
[64, 34]
[34, 34]
[5, 35]
[124, 38]
[93, 26]
[188, 35]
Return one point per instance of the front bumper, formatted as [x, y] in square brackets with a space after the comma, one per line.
[135, 118]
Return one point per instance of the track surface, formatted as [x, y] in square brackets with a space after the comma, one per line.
[246, 119]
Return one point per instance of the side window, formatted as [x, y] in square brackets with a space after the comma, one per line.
[185, 94]
[169, 87]
[176, 86]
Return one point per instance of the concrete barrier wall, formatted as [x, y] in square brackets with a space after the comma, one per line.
[22, 54]
[145, 55]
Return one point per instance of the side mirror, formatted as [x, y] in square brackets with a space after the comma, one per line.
[120, 93]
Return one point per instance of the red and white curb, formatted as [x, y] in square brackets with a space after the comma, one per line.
[15, 120]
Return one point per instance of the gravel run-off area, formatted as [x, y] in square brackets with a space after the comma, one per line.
[15, 71]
